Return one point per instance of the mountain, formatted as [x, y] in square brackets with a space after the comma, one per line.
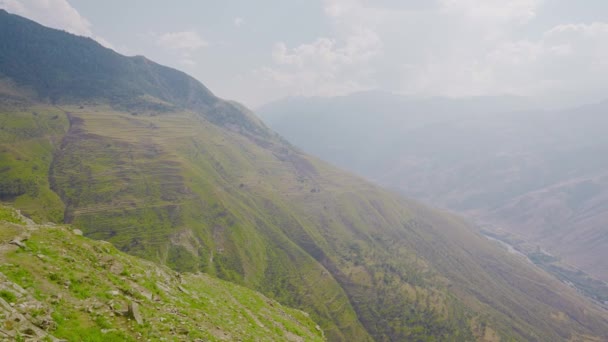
[56, 284]
[62, 68]
[201, 185]
[371, 123]
[540, 175]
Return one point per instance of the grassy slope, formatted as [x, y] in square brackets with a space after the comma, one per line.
[81, 287]
[177, 189]
[28, 140]
[159, 187]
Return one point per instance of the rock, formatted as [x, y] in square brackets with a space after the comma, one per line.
[134, 313]
[28, 331]
[114, 292]
[146, 294]
[116, 268]
[162, 287]
[45, 323]
[140, 291]
[16, 288]
[55, 298]
[18, 243]
[179, 287]
[77, 232]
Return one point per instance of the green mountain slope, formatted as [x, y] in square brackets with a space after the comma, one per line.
[56, 284]
[211, 189]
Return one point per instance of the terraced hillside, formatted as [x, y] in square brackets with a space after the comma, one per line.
[211, 189]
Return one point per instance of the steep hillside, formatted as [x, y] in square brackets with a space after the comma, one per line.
[55, 284]
[199, 189]
[540, 175]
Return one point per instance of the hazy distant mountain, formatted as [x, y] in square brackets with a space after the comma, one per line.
[363, 129]
[145, 157]
[540, 174]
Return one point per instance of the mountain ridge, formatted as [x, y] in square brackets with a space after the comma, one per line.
[129, 83]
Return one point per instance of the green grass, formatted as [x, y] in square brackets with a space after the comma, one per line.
[9, 215]
[59, 264]
[8, 296]
[28, 139]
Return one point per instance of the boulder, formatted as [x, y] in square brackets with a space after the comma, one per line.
[134, 313]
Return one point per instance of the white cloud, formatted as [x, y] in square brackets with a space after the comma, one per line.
[184, 40]
[181, 45]
[53, 13]
[585, 31]
[497, 12]
[472, 47]
[187, 61]
[339, 8]
[325, 66]
[13, 6]
[567, 63]
[238, 22]
[57, 14]
[325, 54]
[329, 65]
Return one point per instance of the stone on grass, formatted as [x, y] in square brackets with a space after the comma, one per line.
[134, 313]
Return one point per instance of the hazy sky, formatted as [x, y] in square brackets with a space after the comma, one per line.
[259, 51]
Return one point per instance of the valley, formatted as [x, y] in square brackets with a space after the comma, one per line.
[540, 175]
[586, 285]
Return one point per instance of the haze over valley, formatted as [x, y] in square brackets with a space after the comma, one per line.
[538, 175]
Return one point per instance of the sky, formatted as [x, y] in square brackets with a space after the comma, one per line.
[260, 51]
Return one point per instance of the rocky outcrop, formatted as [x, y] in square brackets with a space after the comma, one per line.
[22, 315]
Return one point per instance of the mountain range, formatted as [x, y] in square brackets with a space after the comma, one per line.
[147, 158]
